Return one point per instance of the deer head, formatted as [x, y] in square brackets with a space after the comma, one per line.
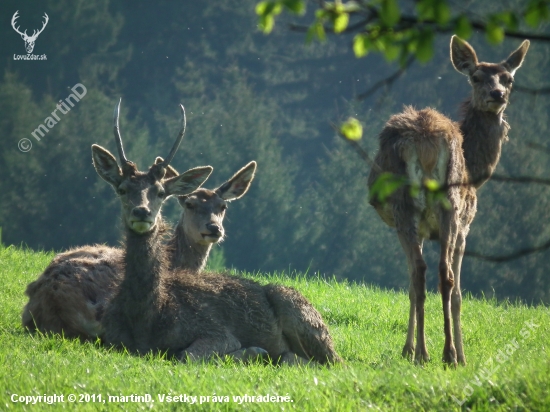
[29, 40]
[204, 209]
[491, 82]
[142, 193]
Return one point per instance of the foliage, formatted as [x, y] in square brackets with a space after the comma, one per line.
[400, 31]
[368, 326]
[253, 97]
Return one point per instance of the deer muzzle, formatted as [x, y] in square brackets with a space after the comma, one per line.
[141, 220]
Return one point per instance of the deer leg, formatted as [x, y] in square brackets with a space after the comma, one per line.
[417, 295]
[408, 349]
[250, 354]
[447, 235]
[205, 348]
[290, 358]
[456, 297]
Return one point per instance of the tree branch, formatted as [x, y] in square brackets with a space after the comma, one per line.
[529, 90]
[512, 256]
[388, 81]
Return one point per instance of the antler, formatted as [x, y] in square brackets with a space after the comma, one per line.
[118, 139]
[13, 22]
[35, 33]
[167, 161]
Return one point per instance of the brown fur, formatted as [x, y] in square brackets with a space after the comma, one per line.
[413, 144]
[199, 316]
[201, 222]
[423, 132]
[70, 295]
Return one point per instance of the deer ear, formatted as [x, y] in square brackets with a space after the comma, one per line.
[187, 182]
[106, 166]
[170, 171]
[463, 56]
[514, 61]
[239, 183]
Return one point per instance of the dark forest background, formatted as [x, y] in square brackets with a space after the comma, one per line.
[249, 96]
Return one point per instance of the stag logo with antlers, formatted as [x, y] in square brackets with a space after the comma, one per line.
[29, 40]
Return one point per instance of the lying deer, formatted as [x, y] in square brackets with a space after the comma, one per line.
[192, 316]
[461, 157]
[69, 296]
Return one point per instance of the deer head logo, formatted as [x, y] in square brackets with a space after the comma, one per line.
[29, 40]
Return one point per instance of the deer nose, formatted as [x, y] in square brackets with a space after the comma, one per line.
[497, 94]
[213, 228]
[141, 212]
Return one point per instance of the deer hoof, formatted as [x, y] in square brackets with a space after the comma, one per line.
[250, 354]
[421, 356]
[408, 351]
[449, 357]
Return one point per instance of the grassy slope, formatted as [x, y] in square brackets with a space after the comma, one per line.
[368, 326]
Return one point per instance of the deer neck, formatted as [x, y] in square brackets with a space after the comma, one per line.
[145, 264]
[187, 254]
[483, 132]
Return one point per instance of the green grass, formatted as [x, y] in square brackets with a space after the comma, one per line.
[368, 326]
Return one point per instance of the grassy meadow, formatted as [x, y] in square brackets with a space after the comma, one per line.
[506, 344]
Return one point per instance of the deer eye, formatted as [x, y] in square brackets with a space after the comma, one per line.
[475, 79]
[121, 192]
[161, 194]
[223, 208]
[189, 206]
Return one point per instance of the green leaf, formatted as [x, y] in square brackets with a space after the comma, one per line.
[261, 8]
[537, 12]
[445, 203]
[390, 12]
[391, 51]
[341, 22]
[361, 45]
[414, 190]
[385, 185]
[432, 185]
[436, 10]
[266, 23]
[532, 17]
[316, 30]
[296, 6]
[352, 129]
[494, 33]
[442, 12]
[463, 28]
[507, 19]
[425, 9]
[425, 47]
[267, 10]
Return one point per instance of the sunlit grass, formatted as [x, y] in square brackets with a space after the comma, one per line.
[368, 326]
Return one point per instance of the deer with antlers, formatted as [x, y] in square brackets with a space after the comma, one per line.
[69, 296]
[461, 156]
[29, 40]
[192, 316]
[71, 293]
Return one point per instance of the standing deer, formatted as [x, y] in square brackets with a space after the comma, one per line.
[461, 157]
[194, 316]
